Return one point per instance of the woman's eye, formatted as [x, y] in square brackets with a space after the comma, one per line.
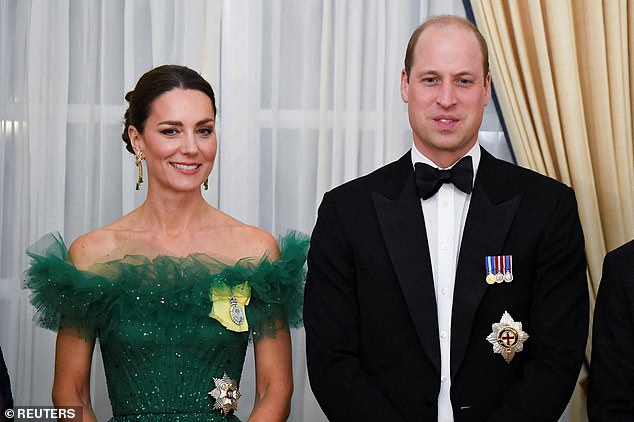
[205, 131]
[169, 132]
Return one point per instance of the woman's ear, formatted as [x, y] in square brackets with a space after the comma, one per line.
[135, 138]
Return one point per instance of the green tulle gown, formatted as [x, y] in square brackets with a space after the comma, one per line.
[161, 348]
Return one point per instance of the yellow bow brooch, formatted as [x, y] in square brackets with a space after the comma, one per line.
[228, 306]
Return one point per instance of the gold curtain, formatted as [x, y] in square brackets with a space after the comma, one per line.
[562, 70]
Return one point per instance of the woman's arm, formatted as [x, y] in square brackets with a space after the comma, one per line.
[71, 385]
[273, 378]
[73, 352]
[273, 370]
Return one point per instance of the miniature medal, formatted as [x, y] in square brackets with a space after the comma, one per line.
[499, 277]
[508, 268]
[507, 337]
[499, 268]
[226, 394]
[490, 277]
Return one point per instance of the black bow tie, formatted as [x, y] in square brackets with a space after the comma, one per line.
[429, 179]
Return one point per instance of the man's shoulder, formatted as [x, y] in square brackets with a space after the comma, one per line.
[616, 280]
[528, 181]
[623, 255]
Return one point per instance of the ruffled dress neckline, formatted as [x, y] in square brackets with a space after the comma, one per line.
[161, 338]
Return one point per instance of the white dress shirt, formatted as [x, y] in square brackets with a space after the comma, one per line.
[445, 214]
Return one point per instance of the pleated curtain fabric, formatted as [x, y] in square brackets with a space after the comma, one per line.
[563, 74]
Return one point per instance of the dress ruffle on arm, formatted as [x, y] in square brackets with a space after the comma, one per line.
[278, 290]
[277, 287]
[62, 295]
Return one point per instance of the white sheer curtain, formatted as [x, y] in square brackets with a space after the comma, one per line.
[64, 69]
[308, 98]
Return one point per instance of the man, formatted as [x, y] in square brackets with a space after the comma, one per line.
[459, 301]
[611, 396]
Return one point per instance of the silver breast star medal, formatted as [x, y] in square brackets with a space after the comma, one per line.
[226, 394]
[507, 337]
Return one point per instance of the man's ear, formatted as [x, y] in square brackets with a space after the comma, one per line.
[404, 86]
[487, 86]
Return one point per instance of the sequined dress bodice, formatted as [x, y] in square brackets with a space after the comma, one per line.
[161, 349]
[165, 363]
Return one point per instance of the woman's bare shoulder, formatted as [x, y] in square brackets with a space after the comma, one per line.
[242, 240]
[258, 242]
[91, 247]
[98, 245]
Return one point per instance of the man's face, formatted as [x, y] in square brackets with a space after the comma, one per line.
[446, 93]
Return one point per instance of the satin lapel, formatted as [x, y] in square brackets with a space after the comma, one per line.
[491, 212]
[403, 228]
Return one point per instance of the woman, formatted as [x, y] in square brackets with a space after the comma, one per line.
[173, 289]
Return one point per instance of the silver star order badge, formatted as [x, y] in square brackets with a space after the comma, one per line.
[226, 394]
[507, 337]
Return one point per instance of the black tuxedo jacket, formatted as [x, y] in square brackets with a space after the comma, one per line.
[6, 398]
[370, 310]
[611, 396]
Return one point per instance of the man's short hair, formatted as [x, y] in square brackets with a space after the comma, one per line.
[446, 20]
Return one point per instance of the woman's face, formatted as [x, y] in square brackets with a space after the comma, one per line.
[179, 141]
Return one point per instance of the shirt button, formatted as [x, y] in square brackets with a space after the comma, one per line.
[443, 334]
[443, 291]
[445, 203]
[444, 247]
[443, 378]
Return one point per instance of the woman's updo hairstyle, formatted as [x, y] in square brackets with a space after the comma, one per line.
[153, 84]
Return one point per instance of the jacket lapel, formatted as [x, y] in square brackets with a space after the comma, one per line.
[491, 212]
[403, 228]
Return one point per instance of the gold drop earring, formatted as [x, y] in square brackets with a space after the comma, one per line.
[139, 166]
[206, 184]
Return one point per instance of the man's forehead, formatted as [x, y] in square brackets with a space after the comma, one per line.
[450, 41]
[446, 29]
